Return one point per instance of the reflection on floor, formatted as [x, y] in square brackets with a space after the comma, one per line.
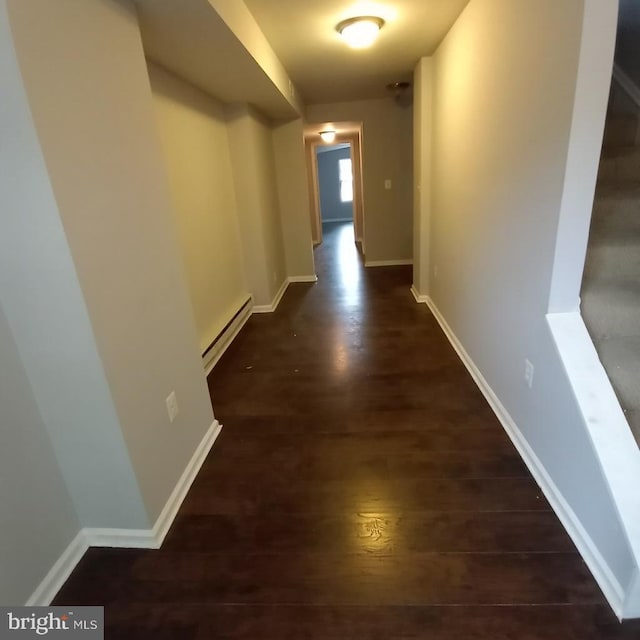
[348, 262]
[361, 488]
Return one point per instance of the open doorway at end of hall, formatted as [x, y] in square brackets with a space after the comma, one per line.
[335, 182]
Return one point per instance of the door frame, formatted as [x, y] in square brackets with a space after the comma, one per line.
[354, 139]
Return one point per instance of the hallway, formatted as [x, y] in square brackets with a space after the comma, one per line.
[356, 491]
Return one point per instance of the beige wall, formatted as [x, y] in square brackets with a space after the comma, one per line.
[293, 193]
[505, 106]
[88, 89]
[387, 140]
[254, 173]
[195, 143]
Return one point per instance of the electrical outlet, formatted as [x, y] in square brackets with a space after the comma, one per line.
[172, 406]
[528, 373]
[387, 184]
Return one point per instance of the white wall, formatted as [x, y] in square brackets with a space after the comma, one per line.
[86, 80]
[387, 153]
[44, 307]
[37, 517]
[193, 130]
[293, 194]
[505, 88]
[254, 173]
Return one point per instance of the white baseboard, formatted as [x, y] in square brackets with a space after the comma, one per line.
[387, 263]
[59, 573]
[419, 298]
[120, 538]
[270, 308]
[336, 220]
[611, 588]
[125, 538]
[179, 493]
[211, 359]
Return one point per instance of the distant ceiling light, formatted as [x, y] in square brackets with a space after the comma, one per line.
[398, 88]
[360, 32]
[401, 92]
[328, 136]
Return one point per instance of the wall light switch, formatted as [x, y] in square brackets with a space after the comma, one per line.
[387, 184]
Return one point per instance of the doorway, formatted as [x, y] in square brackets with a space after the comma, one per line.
[335, 182]
[335, 169]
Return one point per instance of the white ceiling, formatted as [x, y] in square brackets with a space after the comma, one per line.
[324, 69]
[191, 39]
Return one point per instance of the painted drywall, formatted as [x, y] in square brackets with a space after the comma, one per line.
[422, 132]
[628, 44]
[193, 131]
[293, 195]
[504, 106]
[311, 160]
[603, 419]
[88, 89]
[358, 199]
[33, 495]
[387, 153]
[241, 22]
[331, 206]
[193, 41]
[44, 306]
[254, 172]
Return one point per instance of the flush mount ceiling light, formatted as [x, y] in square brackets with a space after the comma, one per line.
[360, 32]
[328, 136]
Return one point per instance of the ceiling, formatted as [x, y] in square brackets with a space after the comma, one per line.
[324, 69]
[190, 39]
[346, 129]
[200, 40]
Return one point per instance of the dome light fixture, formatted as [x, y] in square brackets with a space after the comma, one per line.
[360, 32]
[328, 136]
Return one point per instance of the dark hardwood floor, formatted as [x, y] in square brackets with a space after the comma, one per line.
[361, 489]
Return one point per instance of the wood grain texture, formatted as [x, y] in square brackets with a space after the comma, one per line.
[361, 488]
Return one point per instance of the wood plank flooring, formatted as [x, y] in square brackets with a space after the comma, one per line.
[361, 488]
